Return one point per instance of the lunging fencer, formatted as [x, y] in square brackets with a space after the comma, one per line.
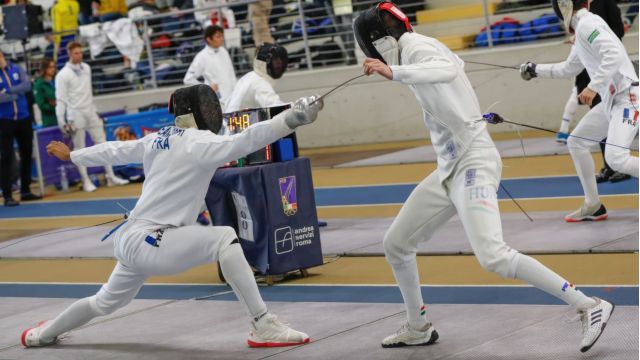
[598, 49]
[465, 182]
[160, 236]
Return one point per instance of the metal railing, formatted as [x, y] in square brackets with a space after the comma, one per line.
[314, 32]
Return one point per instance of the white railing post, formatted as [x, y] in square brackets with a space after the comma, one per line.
[303, 24]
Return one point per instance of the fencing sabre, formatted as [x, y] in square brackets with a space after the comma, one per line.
[59, 231]
[494, 65]
[493, 118]
[338, 87]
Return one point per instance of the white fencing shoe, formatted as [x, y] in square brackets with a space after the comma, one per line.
[268, 331]
[88, 186]
[31, 337]
[407, 336]
[594, 213]
[116, 181]
[594, 320]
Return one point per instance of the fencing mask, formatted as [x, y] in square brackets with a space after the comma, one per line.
[198, 102]
[275, 57]
[564, 10]
[378, 29]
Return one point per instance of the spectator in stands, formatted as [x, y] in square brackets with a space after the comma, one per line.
[64, 19]
[45, 93]
[259, 17]
[609, 11]
[255, 89]
[144, 8]
[76, 113]
[213, 64]
[15, 123]
[212, 16]
[87, 9]
[111, 10]
[177, 5]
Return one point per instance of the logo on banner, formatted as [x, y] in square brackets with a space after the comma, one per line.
[288, 238]
[626, 118]
[284, 240]
[288, 195]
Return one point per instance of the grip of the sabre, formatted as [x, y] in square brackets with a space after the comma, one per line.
[493, 118]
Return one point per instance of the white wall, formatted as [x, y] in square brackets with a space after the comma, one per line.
[375, 110]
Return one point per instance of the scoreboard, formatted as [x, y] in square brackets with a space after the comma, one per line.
[237, 121]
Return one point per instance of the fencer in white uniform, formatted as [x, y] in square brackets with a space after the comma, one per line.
[214, 65]
[160, 236]
[255, 88]
[76, 113]
[465, 182]
[598, 49]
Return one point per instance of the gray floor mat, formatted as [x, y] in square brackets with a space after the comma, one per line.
[218, 330]
[547, 234]
[507, 149]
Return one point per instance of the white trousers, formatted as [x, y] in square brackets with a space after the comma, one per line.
[177, 250]
[618, 122]
[471, 192]
[88, 122]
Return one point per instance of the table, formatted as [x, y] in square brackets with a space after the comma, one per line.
[273, 209]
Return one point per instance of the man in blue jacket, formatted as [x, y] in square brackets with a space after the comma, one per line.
[15, 124]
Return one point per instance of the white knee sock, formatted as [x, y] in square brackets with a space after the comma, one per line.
[238, 274]
[109, 171]
[586, 172]
[407, 278]
[538, 275]
[84, 174]
[631, 166]
[79, 313]
[569, 111]
[564, 126]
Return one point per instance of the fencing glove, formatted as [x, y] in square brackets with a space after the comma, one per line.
[528, 70]
[303, 111]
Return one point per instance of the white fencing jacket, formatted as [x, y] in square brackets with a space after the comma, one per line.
[254, 90]
[179, 164]
[450, 106]
[215, 66]
[598, 49]
[74, 96]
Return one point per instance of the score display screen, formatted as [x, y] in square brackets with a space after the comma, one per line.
[238, 121]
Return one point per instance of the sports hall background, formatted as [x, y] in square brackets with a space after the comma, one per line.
[368, 149]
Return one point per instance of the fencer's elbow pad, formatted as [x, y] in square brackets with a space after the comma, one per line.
[303, 111]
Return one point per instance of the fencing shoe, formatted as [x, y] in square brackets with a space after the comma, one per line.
[618, 176]
[562, 137]
[88, 186]
[604, 175]
[116, 181]
[594, 320]
[268, 331]
[592, 213]
[408, 336]
[31, 337]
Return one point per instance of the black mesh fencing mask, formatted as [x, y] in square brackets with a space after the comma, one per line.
[202, 102]
[564, 10]
[276, 58]
[383, 20]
